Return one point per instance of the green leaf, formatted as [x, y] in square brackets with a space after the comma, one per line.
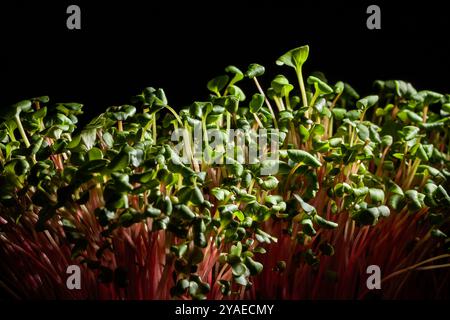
[255, 70]
[234, 167]
[15, 109]
[19, 167]
[298, 156]
[367, 102]
[41, 99]
[285, 116]
[304, 205]
[198, 109]
[352, 115]
[108, 139]
[220, 194]
[320, 106]
[254, 267]
[240, 215]
[429, 97]
[152, 212]
[395, 200]
[395, 188]
[442, 196]
[121, 182]
[387, 140]
[239, 269]
[415, 199]
[228, 209]
[359, 192]
[88, 136]
[119, 162]
[384, 211]
[200, 239]
[411, 116]
[69, 108]
[339, 87]
[36, 145]
[323, 223]
[121, 113]
[238, 75]
[184, 212]
[273, 199]
[308, 228]
[294, 58]
[243, 196]
[281, 206]
[270, 183]
[377, 195]
[350, 91]
[237, 92]
[236, 250]
[231, 104]
[281, 86]
[339, 113]
[335, 142]
[319, 85]
[40, 114]
[436, 233]
[179, 250]
[216, 84]
[256, 103]
[421, 154]
[410, 132]
[262, 237]
[341, 189]
[367, 216]
[197, 196]
[304, 132]
[363, 132]
[95, 154]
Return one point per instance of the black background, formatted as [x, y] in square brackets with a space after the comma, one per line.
[150, 310]
[124, 46]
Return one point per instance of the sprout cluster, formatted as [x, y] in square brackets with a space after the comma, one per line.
[339, 154]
